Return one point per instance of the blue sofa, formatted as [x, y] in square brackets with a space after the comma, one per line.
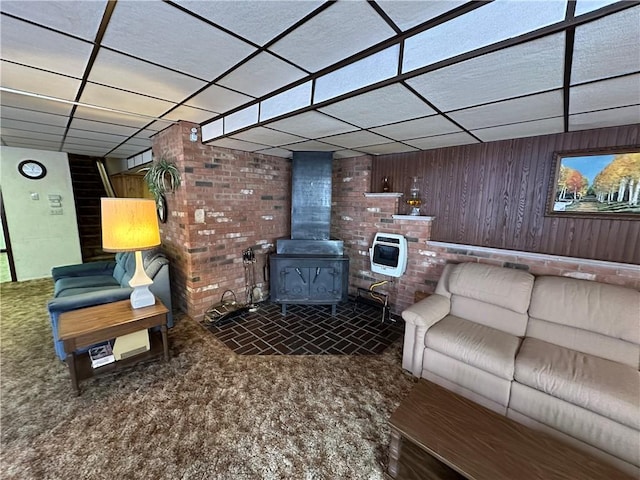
[95, 283]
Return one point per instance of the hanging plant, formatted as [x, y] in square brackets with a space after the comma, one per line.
[161, 177]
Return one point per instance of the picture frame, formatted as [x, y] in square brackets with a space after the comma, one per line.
[588, 183]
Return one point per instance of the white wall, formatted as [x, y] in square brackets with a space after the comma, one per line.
[39, 240]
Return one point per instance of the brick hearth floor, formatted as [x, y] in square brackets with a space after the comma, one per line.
[309, 330]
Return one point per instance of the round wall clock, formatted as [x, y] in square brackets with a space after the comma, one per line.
[161, 207]
[32, 169]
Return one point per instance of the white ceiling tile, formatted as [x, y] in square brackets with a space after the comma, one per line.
[532, 107]
[330, 36]
[448, 140]
[312, 125]
[173, 38]
[33, 127]
[241, 119]
[88, 113]
[189, 114]
[355, 139]
[218, 99]
[276, 152]
[586, 6]
[407, 14]
[386, 148]
[117, 70]
[372, 69]
[483, 26]
[617, 92]
[124, 101]
[390, 104]
[35, 104]
[519, 130]
[12, 141]
[96, 135]
[88, 142]
[267, 136]
[605, 118]
[607, 47]
[31, 134]
[79, 18]
[528, 68]
[102, 127]
[237, 144]
[311, 145]
[30, 45]
[262, 74]
[347, 154]
[122, 153]
[212, 130]
[33, 116]
[31, 80]
[420, 127]
[285, 102]
[258, 22]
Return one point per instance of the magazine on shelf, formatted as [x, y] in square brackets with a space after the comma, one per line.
[101, 355]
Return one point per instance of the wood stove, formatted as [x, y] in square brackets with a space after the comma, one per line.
[310, 268]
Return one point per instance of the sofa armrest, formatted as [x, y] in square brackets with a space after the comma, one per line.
[104, 267]
[74, 302]
[427, 311]
[419, 317]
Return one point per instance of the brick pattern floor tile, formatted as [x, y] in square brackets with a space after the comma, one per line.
[356, 329]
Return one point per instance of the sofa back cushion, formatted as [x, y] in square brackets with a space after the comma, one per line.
[492, 296]
[126, 265]
[591, 317]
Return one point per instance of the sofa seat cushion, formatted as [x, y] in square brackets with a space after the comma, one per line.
[480, 346]
[70, 292]
[608, 388]
[84, 282]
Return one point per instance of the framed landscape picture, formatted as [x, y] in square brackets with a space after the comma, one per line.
[601, 183]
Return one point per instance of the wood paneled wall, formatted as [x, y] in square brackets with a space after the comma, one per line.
[494, 194]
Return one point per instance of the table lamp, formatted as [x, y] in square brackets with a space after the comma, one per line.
[130, 224]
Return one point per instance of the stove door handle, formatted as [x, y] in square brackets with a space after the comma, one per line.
[317, 275]
[301, 276]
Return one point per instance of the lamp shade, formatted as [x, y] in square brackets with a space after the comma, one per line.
[129, 224]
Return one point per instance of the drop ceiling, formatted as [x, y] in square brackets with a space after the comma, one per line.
[101, 77]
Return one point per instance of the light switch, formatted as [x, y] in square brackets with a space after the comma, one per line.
[35, 196]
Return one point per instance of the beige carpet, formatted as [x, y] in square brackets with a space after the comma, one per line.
[207, 414]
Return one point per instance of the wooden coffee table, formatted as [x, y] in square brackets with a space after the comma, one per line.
[437, 434]
[88, 326]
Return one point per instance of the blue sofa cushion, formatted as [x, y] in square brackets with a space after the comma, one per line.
[68, 283]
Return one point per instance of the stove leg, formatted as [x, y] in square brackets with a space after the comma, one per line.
[333, 310]
[284, 310]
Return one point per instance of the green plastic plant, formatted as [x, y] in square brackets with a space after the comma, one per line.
[162, 176]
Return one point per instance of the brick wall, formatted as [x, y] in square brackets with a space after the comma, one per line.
[229, 201]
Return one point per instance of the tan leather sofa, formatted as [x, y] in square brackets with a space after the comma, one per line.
[555, 353]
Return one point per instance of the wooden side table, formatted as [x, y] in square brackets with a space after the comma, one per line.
[87, 326]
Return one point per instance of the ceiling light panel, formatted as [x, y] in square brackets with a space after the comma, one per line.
[372, 69]
[125, 101]
[79, 18]
[267, 136]
[218, 99]
[258, 22]
[409, 14]
[356, 139]
[262, 74]
[481, 27]
[38, 47]
[391, 104]
[312, 125]
[605, 118]
[117, 70]
[528, 68]
[420, 127]
[532, 107]
[34, 103]
[241, 119]
[330, 36]
[607, 47]
[212, 130]
[189, 114]
[180, 41]
[586, 6]
[285, 102]
[519, 130]
[235, 144]
[617, 92]
[14, 113]
[449, 140]
[387, 148]
[32, 80]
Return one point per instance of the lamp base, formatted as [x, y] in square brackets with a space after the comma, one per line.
[142, 297]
